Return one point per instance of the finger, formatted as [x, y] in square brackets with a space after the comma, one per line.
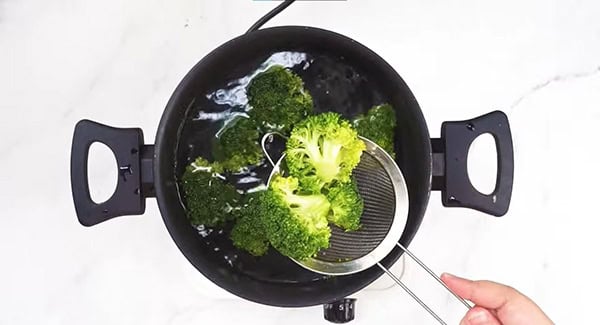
[479, 316]
[487, 294]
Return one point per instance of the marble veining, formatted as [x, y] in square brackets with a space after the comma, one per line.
[557, 78]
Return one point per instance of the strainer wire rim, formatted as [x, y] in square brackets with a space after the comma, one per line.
[394, 233]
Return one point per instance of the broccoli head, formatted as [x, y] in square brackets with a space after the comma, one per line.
[209, 199]
[346, 205]
[296, 225]
[278, 99]
[310, 185]
[248, 233]
[323, 148]
[378, 126]
[239, 144]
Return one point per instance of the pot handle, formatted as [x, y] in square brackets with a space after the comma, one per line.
[450, 154]
[134, 161]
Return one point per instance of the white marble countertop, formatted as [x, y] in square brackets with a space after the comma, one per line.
[118, 62]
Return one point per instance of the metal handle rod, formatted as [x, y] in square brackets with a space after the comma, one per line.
[464, 302]
[412, 294]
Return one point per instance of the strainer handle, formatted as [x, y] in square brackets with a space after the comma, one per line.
[433, 274]
[412, 294]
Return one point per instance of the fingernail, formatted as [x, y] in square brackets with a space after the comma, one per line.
[448, 275]
[478, 317]
[451, 276]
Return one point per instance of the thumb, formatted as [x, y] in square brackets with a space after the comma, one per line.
[486, 294]
[479, 316]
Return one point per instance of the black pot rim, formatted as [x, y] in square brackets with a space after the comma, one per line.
[163, 170]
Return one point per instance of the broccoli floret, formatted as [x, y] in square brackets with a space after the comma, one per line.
[310, 185]
[209, 199]
[239, 144]
[278, 99]
[346, 205]
[296, 225]
[323, 148]
[378, 126]
[248, 233]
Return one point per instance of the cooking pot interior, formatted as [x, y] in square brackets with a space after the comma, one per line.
[342, 76]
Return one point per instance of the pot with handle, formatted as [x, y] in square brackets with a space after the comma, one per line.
[342, 75]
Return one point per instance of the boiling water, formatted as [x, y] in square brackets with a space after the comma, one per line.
[334, 85]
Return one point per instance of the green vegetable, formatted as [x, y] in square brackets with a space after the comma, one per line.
[296, 225]
[248, 233]
[378, 126]
[239, 144]
[278, 99]
[310, 185]
[323, 148]
[294, 213]
[209, 200]
[346, 205]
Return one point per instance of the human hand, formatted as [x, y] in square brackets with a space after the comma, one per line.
[495, 304]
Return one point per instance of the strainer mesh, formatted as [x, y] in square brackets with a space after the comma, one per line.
[377, 192]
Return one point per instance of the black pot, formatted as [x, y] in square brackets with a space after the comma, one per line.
[344, 76]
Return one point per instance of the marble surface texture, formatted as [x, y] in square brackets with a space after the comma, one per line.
[118, 62]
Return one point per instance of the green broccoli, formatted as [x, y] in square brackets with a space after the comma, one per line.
[346, 205]
[239, 144]
[209, 199]
[378, 126]
[296, 225]
[278, 99]
[248, 233]
[310, 185]
[323, 148]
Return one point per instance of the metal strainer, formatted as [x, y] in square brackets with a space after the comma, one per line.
[385, 195]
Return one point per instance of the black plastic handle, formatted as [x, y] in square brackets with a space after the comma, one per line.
[450, 163]
[129, 150]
